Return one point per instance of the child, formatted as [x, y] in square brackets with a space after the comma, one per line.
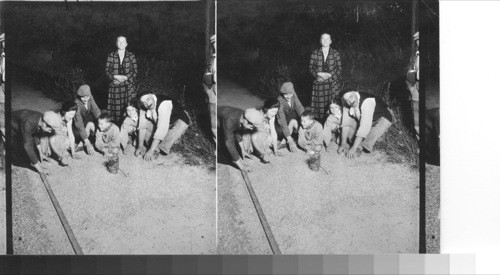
[332, 124]
[310, 133]
[107, 136]
[129, 126]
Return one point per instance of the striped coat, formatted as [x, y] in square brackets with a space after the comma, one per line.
[326, 90]
[119, 95]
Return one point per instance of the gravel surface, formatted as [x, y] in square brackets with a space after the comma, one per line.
[433, 203]
[366, 205]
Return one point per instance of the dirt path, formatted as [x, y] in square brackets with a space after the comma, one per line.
[366, 205]
[152, 210]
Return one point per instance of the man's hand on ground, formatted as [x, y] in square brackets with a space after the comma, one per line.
[89, 148]
[141, 150]
[242, 166]
[291, 145]
[353, 153]
[343, 148]
[149, 155]
[39, 168]
[278, 154]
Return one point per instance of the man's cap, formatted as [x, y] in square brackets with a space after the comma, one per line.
[84, 90]
[287, 88]
[416, 35]
[212, 39]
[254, 116]
[52, 119]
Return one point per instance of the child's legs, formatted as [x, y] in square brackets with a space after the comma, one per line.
[89, 128]
[59, 145]
[260, 142]
[128, 127]
[293, 125]
[327, 135]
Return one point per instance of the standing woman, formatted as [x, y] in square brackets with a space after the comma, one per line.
[325, 67]
[121, 69]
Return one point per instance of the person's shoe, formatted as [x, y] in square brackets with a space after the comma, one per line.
[79, 148]
[62, 162]
[264, 160]
[282, 145]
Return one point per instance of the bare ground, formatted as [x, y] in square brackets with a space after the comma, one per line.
[164, 207]
[367, 205]
[432, 208]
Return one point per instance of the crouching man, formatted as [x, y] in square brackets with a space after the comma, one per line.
[237, 126]
[365, 119]
[31, 127]
[162, 121]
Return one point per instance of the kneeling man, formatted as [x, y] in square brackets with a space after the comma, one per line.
[162, 121]
[365, 119]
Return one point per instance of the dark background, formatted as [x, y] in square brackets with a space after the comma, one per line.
[374, 39]
[263, 44]
[71, 42]
[56, 47]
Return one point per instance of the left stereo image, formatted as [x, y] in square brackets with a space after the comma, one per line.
[109, 133]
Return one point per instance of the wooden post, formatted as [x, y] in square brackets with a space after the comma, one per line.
[208, 8]
[414, 9]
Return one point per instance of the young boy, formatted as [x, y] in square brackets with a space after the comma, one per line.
[310, 133]
[129, 126]
[107, 137]
[332, 124]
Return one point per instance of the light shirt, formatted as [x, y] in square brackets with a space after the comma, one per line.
[325, 53]
[162, 118]
[121, 55]
[363, 113]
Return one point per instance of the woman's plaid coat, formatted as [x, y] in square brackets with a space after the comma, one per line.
[119, 95]
[324, 91]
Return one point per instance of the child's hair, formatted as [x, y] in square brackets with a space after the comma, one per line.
[333, 101]
[271, 103]
[68, 106]
[133, 103]
[308, 114]
[105, 116]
